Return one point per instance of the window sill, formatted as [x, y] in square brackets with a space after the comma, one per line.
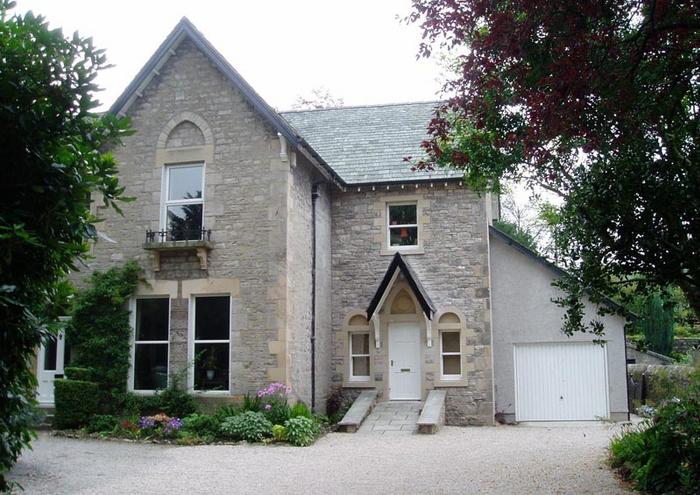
[358, 384]
[204, 393]
[442, 383]
[145, 393]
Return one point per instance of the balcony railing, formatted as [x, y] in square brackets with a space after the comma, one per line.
[153, 236]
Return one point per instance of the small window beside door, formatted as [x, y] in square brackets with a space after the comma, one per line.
[450, 355]
[359, 356]
[151, 344]
[450, 329]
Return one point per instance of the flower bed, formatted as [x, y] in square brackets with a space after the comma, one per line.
[265, 417]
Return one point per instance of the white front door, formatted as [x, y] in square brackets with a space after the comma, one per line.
[404, 361]
[51, 357]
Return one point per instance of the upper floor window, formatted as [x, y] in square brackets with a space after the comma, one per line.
[402, 225]
[183, 201]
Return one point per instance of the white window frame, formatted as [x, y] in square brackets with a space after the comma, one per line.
[389, 227]
[191, 344]
[443, 376]
[165, 202]
[133, 342]
[353, 377]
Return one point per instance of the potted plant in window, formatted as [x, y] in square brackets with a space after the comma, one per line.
[210, 364]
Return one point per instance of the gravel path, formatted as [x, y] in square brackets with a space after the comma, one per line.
[503, 459]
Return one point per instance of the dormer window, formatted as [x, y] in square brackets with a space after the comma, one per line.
[183, 202]
[402, 225]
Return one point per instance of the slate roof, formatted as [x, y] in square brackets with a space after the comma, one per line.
[367, 144]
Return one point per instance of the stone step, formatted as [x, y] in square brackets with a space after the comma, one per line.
[359, 410]
[432, 416]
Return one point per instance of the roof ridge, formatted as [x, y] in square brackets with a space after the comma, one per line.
[350, 107]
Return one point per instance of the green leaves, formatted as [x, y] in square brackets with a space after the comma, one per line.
[593, 104]
[52, 151]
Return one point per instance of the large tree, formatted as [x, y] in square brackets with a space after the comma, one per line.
[595, 101]
[51, 146]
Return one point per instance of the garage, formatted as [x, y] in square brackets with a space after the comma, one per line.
[564, 381]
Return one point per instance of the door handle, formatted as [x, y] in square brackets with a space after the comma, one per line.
[405, 370]
[392, 362]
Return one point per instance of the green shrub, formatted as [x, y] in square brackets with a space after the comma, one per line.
[663, 455]
[177, 402]
[300, 409]
[251, 403]
[138, 405]
[279, 433]
[249, 426]
[228, 411]
[102, 423]
[301, 431]
[75, 402]
[276, 411]
[79, 374]
[202, 425]
[339, 401]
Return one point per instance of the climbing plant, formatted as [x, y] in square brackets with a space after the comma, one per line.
[99, 328]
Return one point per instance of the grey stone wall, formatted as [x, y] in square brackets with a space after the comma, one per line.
[246, 188]
[299, 282]
[453, 270]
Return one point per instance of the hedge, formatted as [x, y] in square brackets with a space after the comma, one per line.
[79, 374]
[76, 402]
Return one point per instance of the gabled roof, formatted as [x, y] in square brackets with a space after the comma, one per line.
[398, 263]
[368, 144]
[559, 272]
[186, 30]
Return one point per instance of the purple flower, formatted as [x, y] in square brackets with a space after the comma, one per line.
[173, 424]
[147, 422]
[268, 407]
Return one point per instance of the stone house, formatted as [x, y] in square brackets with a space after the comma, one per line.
[299, 247]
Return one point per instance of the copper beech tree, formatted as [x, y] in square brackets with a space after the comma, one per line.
[594, 101]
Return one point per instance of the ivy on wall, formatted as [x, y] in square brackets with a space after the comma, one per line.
[99, 329]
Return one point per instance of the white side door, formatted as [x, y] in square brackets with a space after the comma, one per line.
[50, 367]
[404, 361]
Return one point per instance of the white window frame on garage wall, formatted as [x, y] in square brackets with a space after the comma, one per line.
[165, 190]
[133, 302]
[359, 378]
[191, 344]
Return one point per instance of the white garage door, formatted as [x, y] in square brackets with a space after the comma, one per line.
[560, 381]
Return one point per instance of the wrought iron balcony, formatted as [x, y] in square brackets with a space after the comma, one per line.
[175, 235]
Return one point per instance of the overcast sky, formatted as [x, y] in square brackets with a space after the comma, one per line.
[359, 50]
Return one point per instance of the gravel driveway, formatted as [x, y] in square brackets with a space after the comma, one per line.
[502, 459]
